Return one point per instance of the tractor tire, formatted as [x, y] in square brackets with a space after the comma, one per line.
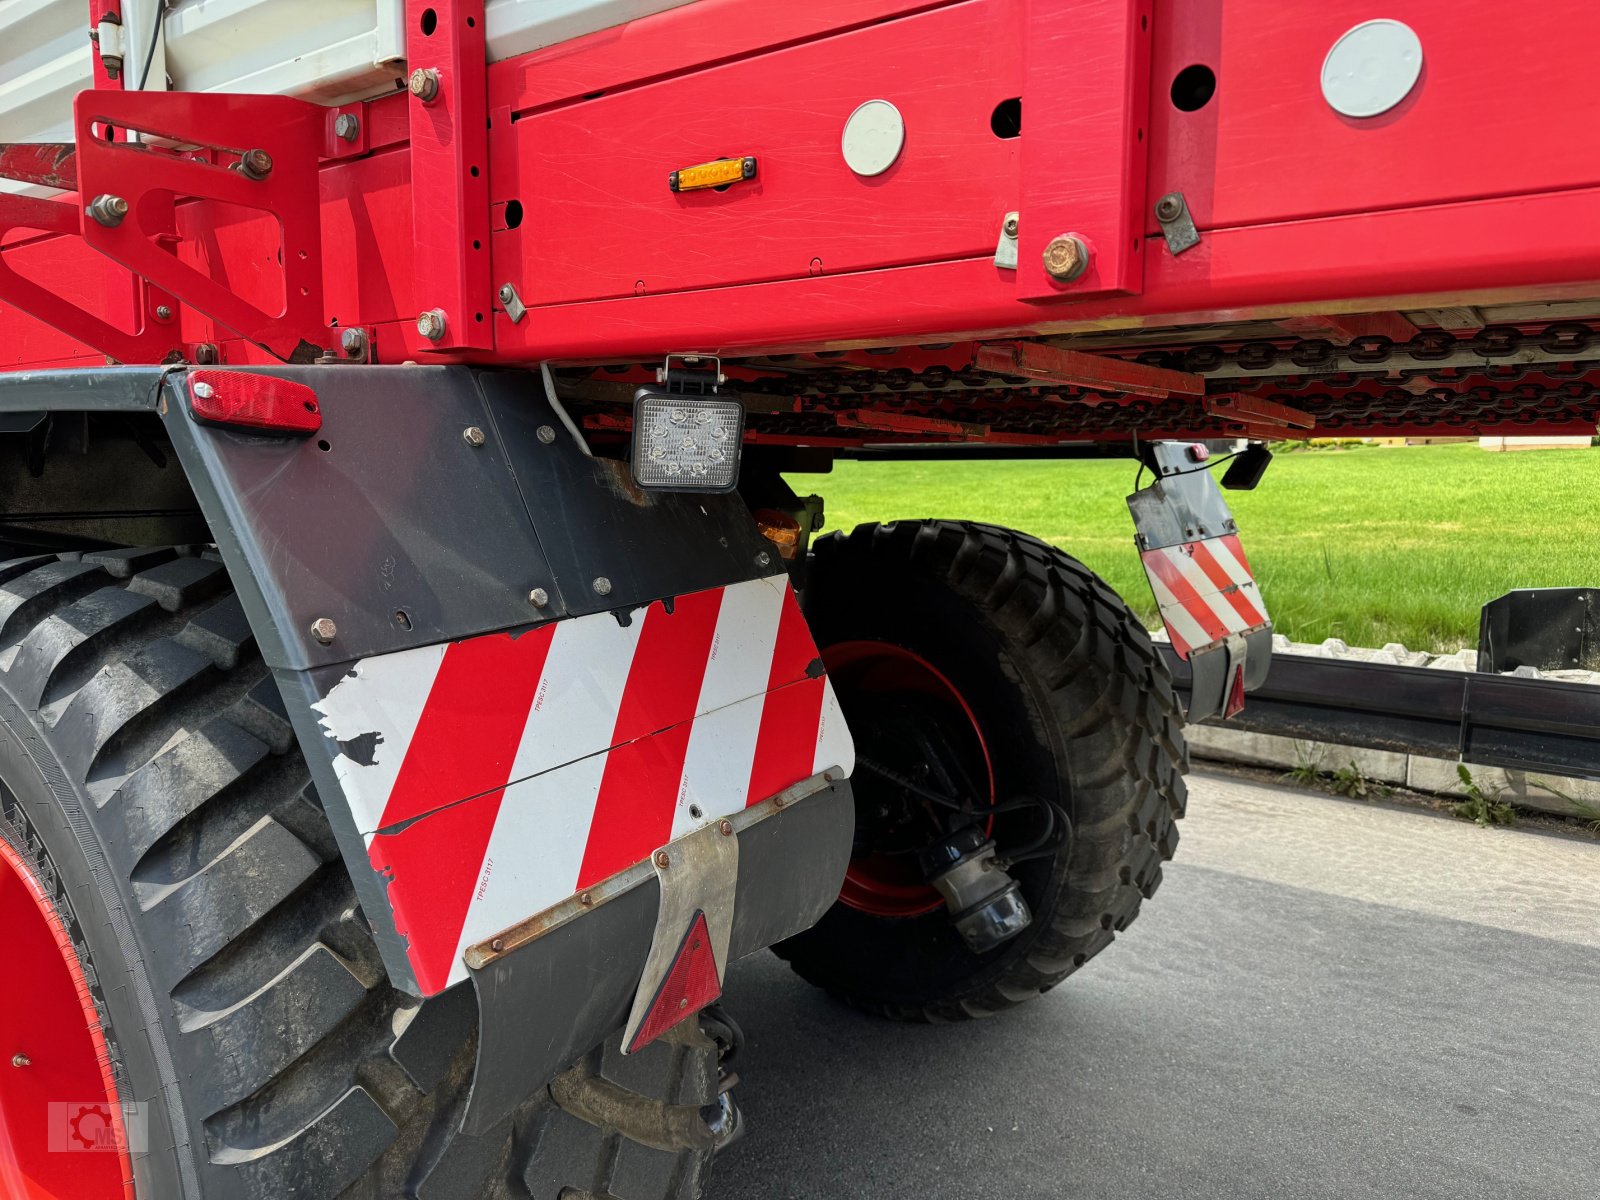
[1067, 699]
[152, 788]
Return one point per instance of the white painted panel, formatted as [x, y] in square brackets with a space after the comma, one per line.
[517, 26]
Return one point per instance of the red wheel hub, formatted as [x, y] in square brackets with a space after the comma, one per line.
[62, 1135]
[866, 673]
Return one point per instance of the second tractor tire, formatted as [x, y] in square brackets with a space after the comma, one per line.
[1072, 702]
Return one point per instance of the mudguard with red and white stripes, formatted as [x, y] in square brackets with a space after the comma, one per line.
[1205, 592]
[495, 776]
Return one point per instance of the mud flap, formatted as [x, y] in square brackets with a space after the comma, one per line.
[553, 987]
[1210, 603]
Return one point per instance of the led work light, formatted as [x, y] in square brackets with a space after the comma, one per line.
[684, 443]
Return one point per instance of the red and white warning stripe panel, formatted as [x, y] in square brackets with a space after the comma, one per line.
[1205, 592]
[494, 777]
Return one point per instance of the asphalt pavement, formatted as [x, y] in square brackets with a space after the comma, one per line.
[1325, 999]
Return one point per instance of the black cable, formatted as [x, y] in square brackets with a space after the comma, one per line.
[150, 54]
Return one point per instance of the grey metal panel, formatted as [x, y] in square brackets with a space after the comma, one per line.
[545, 1004]
[594, 522]
[101, 389]
[388, 510]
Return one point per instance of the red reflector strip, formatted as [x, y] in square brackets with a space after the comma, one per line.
[246, 400]
[691, 983]
[1235, 704]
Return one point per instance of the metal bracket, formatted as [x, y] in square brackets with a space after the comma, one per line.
[1074, 368]
[1177, 225]
[512, 303]
[1005, 250]
[698, 873]
[690, 374]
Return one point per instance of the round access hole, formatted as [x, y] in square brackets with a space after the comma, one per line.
[1193, 88]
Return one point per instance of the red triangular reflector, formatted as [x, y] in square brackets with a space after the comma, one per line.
[691, 983]
[1235, 694]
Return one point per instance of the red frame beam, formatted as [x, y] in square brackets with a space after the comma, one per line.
[450, 171]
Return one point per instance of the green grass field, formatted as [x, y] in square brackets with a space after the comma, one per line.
[1373, 545]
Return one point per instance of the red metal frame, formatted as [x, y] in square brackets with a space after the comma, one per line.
[449, 145]
[1321, 223]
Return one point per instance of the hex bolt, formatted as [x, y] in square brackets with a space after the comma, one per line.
[108, 210]
[163, 312]
[21, 1060]
[601, 585]
[431, 324]
[1066, 258]
[1169, 207]
[539, 598]
[323, 630]
[725, 828]
[347, 126]
[255, 164]
[203, 390]
[425, 84]
[353, 342]
[545, 434]
[662, 859]
[472, 436]
[1010, 227]
[585, 899]
[763, 559]
[205, 353]
[498, 944]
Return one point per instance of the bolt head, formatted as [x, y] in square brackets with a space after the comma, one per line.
[324, 630]
[763, 559]
[431, 324]
[1066, 258]
[424, 83]
[663, 859]
[497, 944]
[203, 390]
[21, 1060]
[1011, 227]
[205, 353]
[163, 312]
[347, 126]
[546, 434]
[539, 598]
[353, 342]
[586, 899]
[1169, 207]
[472, 436]
[602, 586]
[725, 828]
[256, 163]
[507, 293]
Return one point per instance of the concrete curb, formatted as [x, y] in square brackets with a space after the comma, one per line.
[1560, 795]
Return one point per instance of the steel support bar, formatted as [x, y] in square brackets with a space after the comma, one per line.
[48, 164]
[450, 173]
[1255, 411]
[1492, 720]
[1052, 364]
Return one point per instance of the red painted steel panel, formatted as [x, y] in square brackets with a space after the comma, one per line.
[602, 222]
[1083, 146]
[1495, 113]
[449, 171]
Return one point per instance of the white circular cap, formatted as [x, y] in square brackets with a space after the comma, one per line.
[873, 137]
[1371, 68]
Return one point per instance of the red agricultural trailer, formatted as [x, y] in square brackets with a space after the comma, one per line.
[418, 678]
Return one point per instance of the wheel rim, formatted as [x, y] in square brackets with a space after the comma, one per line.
[867, 673]
[54, 1065]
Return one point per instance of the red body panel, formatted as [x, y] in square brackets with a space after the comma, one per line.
[1301, 210]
